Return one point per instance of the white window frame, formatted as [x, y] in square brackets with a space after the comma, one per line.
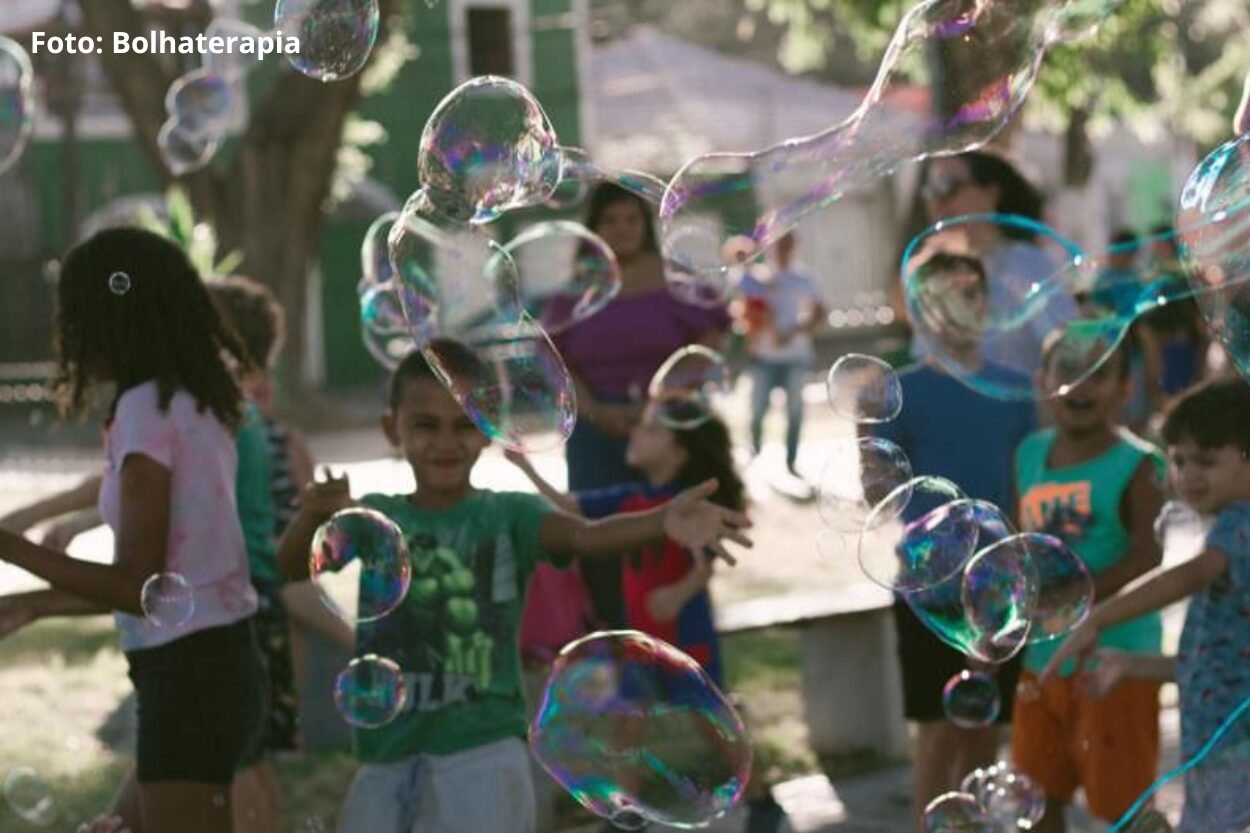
[522, 43]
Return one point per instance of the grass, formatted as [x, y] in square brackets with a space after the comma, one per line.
[62, 680]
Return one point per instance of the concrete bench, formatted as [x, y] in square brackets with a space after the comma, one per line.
[852, 692]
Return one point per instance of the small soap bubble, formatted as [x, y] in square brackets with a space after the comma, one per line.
[688, 387]
[382, 326]
[938, 535]
[1012, 800]
[335, 36]
[370, 692]
[970, 699]
[201, 102]
[567, 273]
[360, 561]
[29, 797]
[168, 600]
[17, 101]
[375, 255]
[864, 389]
[183, 152]
[119, 283]
[956, 812]
[1065, 589]
[859, 474]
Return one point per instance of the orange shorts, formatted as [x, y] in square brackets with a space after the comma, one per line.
[1110, 746]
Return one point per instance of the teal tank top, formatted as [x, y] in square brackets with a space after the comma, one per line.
[1080, 505]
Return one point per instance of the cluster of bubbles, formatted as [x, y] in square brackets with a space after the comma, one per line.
[335, 40]
[29, 797]
[359, 562]
[994, 799]
[636, 731]
[978, 60]
[1047, 323]
[17, 101]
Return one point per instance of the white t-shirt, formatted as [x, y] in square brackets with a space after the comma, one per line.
[788, 293]
[205, 539]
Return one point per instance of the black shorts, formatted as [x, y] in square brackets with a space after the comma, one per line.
[201, 705]
[927, 664]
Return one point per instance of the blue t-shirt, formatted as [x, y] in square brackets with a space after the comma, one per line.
[1213, 664]
[948, 430]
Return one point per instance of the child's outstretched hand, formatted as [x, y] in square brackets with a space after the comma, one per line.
[700, 526]
[322, 498]
[1079, 644]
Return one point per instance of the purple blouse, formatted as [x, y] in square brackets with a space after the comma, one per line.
[617, 350]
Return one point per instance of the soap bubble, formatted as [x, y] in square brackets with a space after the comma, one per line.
[167, 600]
[335, 36]
[858, 475]
[382, 326]
[955, 812]
[636, 731]
[17, 101]
[119, 283]
[375, 252]
[1213, 223]
[1065, 590]
[938, 536]
[687, 387]
[970, 700]
[982, 610]
[990, 335]
[370, 692]
[29, 797]
[488, 148]
[201, 102]
[359, 559]
[566, 273]
[1011, 799]
[864, 389]
[183, 152]
[978, 63]
[577, 174]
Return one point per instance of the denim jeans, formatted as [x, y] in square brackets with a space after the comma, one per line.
[765, 378]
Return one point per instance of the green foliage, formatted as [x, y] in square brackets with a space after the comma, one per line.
[198, 239]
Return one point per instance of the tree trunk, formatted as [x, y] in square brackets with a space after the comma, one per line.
[268, 202]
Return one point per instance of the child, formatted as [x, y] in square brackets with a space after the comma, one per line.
[464, 718]
[132, 311]
[665, 587]
[1208, 437]
[941, 421]
[1094, 485]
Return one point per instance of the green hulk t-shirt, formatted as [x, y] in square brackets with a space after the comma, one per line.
[455, 635]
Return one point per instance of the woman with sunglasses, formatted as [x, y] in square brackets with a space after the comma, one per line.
[983, 182]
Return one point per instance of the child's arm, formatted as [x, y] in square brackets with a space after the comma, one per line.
[82, 496]
[688, 519]
[1156, 592]
[142, 538]
[21, 609]
[1141, 504]
[566, 502]
[318, 502]
[1112, 667]
[665, 603]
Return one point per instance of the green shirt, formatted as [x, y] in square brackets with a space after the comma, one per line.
[455, 634]
[1080, 505]
[253, 490]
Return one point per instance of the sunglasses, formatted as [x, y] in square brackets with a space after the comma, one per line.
[943, 189]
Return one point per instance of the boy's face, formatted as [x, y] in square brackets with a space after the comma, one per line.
[958, 305]
[436, 437]
[1092, 405]
[1208, 478]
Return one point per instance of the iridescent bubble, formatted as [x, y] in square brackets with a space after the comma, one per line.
[635, 730]
[370, 692]
[1065, 590]
[576, 177]
[938, 536]
[167, 600]
[990, 334]
[201, 102]
[382, 326]
[29, 797]
[359, 559]
[566, 272]
[1213, 229]
[488, 148]
[119, 283]
[335, 36]
[182, 151]
[17, 101]
[970, 700]
[955, 812]
[864, 389]
[1011, 799]
[687, 387]
[859, 474]
[977, 62]
[982, 610]
[375, 253]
